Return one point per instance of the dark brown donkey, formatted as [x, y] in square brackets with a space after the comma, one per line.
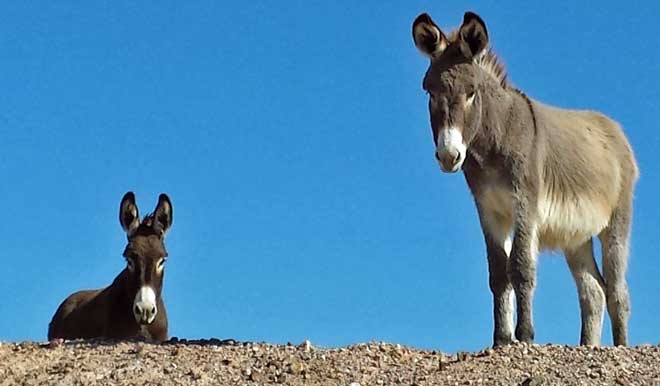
[132, 305]
[542, 178]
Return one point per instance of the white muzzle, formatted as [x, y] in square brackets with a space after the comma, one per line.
[450, 150]
[144, 305]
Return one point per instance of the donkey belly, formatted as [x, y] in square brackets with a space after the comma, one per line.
[562, 223]
[566, 223]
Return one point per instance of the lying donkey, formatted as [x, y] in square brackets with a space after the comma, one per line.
[132, 305]
[542, 178]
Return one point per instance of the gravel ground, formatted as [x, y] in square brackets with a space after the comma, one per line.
[215, 362]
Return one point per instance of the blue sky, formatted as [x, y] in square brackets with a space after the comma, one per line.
[293, 140]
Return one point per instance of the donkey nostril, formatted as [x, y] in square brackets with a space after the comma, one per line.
[136, 309]
[457, 158]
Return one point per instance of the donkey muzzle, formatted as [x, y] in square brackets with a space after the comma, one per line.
[451, 150]
[448, 160]
[144, 306]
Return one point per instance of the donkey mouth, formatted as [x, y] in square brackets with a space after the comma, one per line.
[144, 317]
[451, 168]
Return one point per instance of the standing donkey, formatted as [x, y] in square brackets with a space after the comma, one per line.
[541, 177]
[132, 305]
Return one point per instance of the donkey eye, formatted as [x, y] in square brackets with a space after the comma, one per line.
[161, 264]
[130, 265]
[469, 98]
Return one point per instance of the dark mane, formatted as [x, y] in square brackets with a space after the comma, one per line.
[490, 63]
[148, 220]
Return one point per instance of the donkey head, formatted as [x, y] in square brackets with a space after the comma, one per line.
[145, 254]
[453, 82]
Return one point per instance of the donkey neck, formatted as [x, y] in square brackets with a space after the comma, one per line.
[508, 124]
[119, 299]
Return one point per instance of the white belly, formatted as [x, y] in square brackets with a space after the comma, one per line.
[562, 224]
[568, 223]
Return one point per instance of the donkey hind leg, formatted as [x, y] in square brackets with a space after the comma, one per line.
[498, 249]
[614, 242]
[591, 291]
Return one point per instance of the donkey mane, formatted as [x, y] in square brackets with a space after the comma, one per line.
[489, 62]
[493, 66]
[148, 219]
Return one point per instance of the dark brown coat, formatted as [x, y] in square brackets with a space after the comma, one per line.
[132, 305]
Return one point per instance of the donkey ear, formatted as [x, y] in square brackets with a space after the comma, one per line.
[163, 214]
[474, 34]
[428, 37]
[129, 218]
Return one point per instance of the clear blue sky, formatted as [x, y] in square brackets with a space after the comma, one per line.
[294, 142]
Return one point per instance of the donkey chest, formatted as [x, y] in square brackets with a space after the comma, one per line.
[494, 195]
[497, 206]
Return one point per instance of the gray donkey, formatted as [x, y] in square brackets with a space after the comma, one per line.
[541, 177]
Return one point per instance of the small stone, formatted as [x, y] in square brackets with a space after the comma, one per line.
[256, 376]
[274, 364]
[296, 367]
[195, 374]
[53, 343]
[533, 381]
[138, 349]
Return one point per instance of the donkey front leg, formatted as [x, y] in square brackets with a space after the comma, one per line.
[522, 273]
[498, 248]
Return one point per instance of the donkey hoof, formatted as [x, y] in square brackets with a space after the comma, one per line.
[500, 340]
[525, 335]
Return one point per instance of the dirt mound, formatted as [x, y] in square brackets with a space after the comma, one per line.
[215, 362]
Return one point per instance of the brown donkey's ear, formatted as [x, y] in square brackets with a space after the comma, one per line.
[428, 37]
[163, 214]
[129, 218]
[473, 34]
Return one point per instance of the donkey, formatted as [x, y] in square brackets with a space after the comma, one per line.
[541, 177]
[132, 305]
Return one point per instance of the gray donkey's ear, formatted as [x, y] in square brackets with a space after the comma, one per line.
[428, 37]
[474, 35]
[129, 218]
